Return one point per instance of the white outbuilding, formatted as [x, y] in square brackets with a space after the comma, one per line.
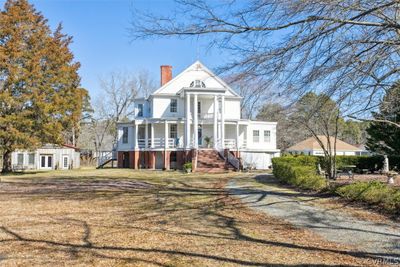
[47, 157]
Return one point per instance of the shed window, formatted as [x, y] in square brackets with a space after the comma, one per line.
[256, 136]
[125, 135]
[65, 161]
[20, 159]
[31, 159]
[267, 136]
[173, 106]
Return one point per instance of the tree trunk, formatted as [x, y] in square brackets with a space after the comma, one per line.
[6, 162]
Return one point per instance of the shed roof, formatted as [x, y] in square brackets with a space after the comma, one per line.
[312, 144]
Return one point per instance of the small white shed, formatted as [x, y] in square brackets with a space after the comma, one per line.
[48, 157]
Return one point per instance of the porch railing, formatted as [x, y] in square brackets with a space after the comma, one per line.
[230, 143]
[159, 143]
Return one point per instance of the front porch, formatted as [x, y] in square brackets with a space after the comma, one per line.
[171, 135]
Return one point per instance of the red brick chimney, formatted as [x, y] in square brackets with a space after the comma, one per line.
[166, 74]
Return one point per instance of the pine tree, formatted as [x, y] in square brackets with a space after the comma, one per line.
[384, 138]
[39, 82]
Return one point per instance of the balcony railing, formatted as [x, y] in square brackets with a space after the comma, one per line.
[159, 143]
[206, 116]
[178, 143]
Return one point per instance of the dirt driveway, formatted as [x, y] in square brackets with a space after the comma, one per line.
[378, 239]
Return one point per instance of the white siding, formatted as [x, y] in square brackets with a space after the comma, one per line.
[161, 108]
[262, 144]
[232, 109]
[57, 155]
[259, 160]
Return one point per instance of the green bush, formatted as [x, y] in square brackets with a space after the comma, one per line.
[373, 193]
[298, 171]
[187, 166]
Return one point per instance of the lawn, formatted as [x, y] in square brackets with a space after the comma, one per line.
[123, 217]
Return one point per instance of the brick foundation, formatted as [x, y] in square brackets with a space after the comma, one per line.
[120, 159]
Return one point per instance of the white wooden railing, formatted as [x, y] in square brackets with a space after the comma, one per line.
[104, 156]
[159, 143]
[230, 143]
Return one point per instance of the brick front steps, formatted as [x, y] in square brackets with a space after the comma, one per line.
[209, 161]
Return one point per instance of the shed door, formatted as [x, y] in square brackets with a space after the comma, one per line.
[46, 161]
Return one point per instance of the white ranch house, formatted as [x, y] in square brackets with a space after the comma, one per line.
[195, 111]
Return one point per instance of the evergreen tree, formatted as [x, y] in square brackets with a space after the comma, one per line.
[384, 138]
[39, 82]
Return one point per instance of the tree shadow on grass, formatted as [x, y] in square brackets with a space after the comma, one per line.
[174, 197]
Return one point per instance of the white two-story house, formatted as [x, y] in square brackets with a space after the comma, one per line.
[191, 118]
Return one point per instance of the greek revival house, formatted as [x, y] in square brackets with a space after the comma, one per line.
[194, 117]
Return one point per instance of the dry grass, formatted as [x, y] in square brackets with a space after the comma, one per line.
[123, 217]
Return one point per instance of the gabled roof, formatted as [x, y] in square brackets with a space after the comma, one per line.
[312, 144]
[196, 66]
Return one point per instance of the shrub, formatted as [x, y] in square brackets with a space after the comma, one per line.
[373, 193]
[298, 171]
[187, 166]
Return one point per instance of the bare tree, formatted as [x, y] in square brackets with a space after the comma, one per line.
[348, 50]
[114, 103]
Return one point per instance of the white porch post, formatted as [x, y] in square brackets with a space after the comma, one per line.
[187, 130]
[237, 136]
[152, 135]
[166, 134]
[223, 121]
[136, 136]
[195, 123]
[146, 135]
[215, 138]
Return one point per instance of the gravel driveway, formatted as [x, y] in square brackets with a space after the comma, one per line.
[379, 240]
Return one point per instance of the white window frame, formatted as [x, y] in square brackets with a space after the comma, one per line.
[256, 137]
[267, 136]
[125, 135]
[20, 159]
[173, 129]
[63, 161]
[173, 108]
[31, 156]
[140, 110]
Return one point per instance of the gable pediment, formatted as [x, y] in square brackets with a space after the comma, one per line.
[195, 76]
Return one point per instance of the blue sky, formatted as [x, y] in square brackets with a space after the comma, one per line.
[101, 42]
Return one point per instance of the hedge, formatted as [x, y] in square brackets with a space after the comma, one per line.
[372, 163]
[373, 193]
[291, 171]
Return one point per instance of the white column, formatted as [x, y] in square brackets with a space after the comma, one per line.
[152, 135]
[166, 134]
[187, 130]
[146, 135]
[237, 135]
[215, 137]
[136, 136]
[195, 122]
[222, 121]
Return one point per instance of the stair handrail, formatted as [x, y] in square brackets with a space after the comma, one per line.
[233, 161]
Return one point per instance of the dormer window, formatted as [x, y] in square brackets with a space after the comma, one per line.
[197, 84]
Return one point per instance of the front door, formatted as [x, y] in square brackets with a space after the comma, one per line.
[46, 161]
